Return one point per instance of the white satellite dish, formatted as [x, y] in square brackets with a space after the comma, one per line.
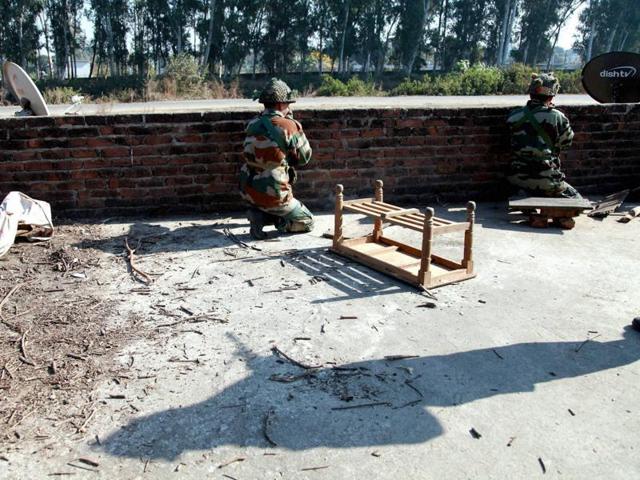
[22, 86]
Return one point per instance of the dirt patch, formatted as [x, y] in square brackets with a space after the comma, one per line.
[60, 331]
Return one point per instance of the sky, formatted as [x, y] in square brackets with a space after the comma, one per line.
[570, 28]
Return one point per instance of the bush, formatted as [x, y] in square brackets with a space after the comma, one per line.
[481, 80]
[449, 84]
[517, 77]
[411, 87]
[183, 77]
[332, 87]
[60, 95]
[355, 87]
[570, 82]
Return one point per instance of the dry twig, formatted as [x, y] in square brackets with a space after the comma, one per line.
[134, 270]
[280, 353]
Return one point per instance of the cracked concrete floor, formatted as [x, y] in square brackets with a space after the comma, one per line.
[527, 370]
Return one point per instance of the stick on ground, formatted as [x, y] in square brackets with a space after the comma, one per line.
[280, 353]
[144, 278]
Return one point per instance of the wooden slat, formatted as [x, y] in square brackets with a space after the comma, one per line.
[375, 249]
[397, 213]
[412, 226]
[372, 207]
[417, 216]
[358, 200]
[406, 248]
[376, 264]
[357, 241]
[449, 277]
[445, 262]
[359, 209]
[455, 227]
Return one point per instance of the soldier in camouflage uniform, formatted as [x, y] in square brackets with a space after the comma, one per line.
[538, 133]
[274, 145]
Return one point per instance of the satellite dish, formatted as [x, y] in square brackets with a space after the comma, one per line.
[22, 86]
[613, 77]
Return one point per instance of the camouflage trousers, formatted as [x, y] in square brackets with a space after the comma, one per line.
[541, 178]
[295, 219]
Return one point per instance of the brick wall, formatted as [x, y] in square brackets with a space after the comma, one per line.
[177, 163]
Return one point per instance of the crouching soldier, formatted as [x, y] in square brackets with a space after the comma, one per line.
[274, 145]
[539, 133]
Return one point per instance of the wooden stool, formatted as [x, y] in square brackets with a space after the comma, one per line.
[415, 266]
[560, 211]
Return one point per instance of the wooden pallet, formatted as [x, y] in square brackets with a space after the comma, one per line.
[559, 211]
[415, 266]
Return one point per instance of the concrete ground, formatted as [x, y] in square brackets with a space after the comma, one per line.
[527, 371]
[306, 103]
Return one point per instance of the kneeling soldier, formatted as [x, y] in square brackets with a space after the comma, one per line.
[274, 145]
[538, 133]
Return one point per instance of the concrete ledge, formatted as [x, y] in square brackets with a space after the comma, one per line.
[307, 103]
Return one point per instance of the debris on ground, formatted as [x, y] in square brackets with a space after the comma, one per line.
[630, 215]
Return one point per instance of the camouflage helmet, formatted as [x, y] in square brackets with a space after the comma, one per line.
[544, 84]
[276, 91]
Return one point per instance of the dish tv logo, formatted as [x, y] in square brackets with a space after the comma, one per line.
[619, 72]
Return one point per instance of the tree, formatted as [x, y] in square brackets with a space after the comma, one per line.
[411, 31]
[19, 34]
[607, 25]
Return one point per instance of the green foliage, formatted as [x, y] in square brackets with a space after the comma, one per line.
[184, 76]
[570, 82]
[481, 80]
[354, 87]
[517, 77]
[475, 80]
[332, 87]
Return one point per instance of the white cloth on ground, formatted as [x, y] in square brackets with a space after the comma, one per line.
[18, 210]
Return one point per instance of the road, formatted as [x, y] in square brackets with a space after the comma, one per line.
[306, 103]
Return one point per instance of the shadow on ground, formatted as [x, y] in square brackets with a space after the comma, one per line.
[153, 238]
[308, 410]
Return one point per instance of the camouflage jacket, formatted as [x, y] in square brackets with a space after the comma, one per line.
[269, 151]
[540, 140]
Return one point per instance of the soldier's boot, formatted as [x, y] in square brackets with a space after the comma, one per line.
[257, 222]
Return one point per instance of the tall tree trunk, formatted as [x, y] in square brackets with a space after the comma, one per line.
[207, 50]
[20, 35]
[67, 51]
[443, 54]
[93, 57]
[504, 40]
[45, 30]
[623, 40]
[345, 26]
[385, 48]
[413, 52]
[567, 13]
[110, 49]
[536, 49]
[321, 52]
[506, 47]
[614, 33]
[503, 32]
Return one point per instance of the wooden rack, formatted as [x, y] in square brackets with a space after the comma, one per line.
[415, 266]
